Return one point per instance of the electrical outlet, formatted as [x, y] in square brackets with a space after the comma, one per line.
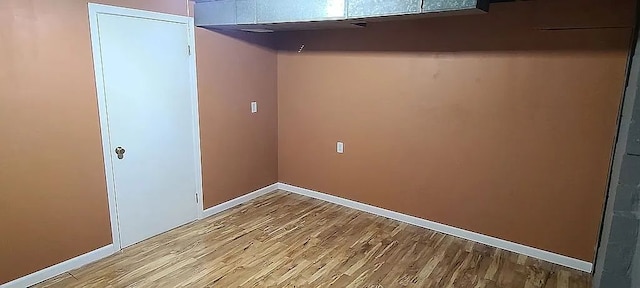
[340, 147]
[254, 107]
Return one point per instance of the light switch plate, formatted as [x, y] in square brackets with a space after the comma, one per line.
[340, 147]
[254, 107]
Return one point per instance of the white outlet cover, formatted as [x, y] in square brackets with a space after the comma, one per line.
[254, 107]
[340, 147]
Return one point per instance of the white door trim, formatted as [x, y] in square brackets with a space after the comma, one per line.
[94, 10]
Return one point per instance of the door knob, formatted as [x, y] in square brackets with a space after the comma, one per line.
[120, 151]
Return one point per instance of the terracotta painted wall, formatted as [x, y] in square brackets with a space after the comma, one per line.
[505, 131]
[53, 200]
[493, 123]
[239, 149]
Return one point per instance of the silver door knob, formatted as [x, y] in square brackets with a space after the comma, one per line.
[120, 151]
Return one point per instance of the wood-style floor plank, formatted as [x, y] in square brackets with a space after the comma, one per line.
[288, 240]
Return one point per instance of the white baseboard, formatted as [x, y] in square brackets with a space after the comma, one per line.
[237, 201]
[66, 266]
[95, 255]
[461, 233]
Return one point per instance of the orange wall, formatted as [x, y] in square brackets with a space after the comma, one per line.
[53, 200]
[497, 128]
[488, 123]
[239, 149]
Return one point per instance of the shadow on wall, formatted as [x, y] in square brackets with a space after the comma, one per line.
[265, 40]
[517, 26]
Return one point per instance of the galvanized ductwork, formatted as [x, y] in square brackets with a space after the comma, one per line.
[278, 15]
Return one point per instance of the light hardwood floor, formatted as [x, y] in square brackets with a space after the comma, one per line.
[287, 240]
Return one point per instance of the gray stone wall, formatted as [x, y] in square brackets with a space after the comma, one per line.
[618, 263]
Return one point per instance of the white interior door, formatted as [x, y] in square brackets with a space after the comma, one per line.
[148, 106]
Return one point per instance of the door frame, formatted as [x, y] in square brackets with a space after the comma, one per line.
[94, 11]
